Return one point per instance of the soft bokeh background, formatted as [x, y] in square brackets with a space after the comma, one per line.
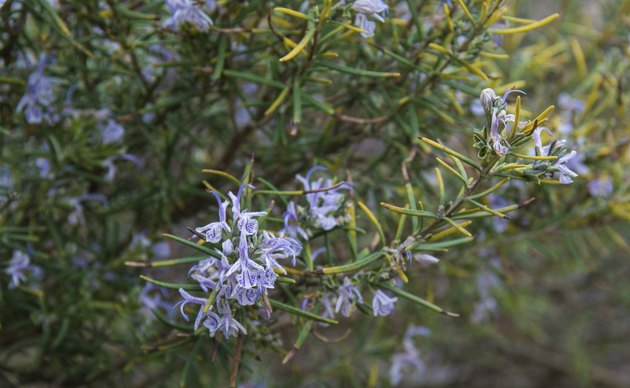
[543, 299]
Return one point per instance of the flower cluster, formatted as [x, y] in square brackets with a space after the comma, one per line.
[376, 9]
[325, 208]
[344, 298]
[501, 123]
[501, 128]
[557, 149]
[243, 267]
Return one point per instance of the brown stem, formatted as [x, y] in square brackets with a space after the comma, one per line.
[237, 361]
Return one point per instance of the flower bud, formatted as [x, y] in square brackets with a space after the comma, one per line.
[487, 98]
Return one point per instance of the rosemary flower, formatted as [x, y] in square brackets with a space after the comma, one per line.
[382, 304]
[39, 97]
[19, 266]
[348, 296]
[186, 12]
[366, 9]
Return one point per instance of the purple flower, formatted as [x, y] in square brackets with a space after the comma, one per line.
[600, 187]
[76, 216]
[151, 298]
[376, 9]
[327, 301]
[540, 150]
[186, 11]
[325, 208]
[409, 358]
[6, 179]
[560, 164]
[274, 248]
[213, 231]
[111, 132]
[111, 167]
[161, 250]
[495, 136]
[44, 166]
[18, 268]
[348, 295]
[247, 297]
[371, 8]
[565, 173]
[228, 325]
[368, 26]
[570, 104]
[39, 97]
[487, 280]
[292, 225]
[206, 273]
[382, 304]
[212, 322]
[191, 299]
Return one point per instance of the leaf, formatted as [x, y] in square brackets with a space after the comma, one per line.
[359, 72]
[416, 299]
[420, 246]
[193, 245]
[174, 286]
[356, 265]
[296, 311]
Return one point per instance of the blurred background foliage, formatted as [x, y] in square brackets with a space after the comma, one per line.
[542, 298]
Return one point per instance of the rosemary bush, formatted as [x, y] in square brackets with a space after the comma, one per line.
[315, 192]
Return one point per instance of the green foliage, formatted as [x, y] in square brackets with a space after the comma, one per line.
[269, 90]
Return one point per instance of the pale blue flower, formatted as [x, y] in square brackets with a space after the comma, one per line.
[325, 208]
[274, 248]
[487, 281]
[292, 225]
[409, 358]
[570, 104]
[44, 167]
[186, 12]
[328, 302]
[206, 273]
[368, 26]
[375, 9]
[498, 143]
[191, 299]
[348, 296]
[6, 178]
[565, 173]
[600, 187]
[228, 325]
[540, 150]
[212, 322]
[214, 230]
[161, 250]
[111, 167]
[19, 268]
[382, 304]
[111, 131]
[39, 97]
[152, 298]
